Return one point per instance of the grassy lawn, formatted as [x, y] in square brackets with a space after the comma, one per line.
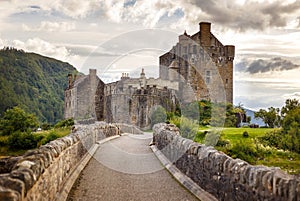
[59, 132]
[268, 156]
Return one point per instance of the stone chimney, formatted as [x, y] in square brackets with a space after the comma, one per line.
[205, 33]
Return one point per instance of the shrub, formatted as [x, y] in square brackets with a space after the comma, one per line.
[245, 151]
[212, 138]
[46, 126]
[64, 123]
[200, 136]
[188, 128]
[158, 115]
[23, 140]
[50, 137]
[222, 143]
[16, 119]
[245, 134]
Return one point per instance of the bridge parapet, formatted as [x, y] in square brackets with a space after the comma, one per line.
[220, 175]
[44, 173]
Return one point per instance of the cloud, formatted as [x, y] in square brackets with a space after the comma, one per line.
[76, 8]
[263, 65]
[253, 14]
[250, 15]
[51, 26]
[295, 95]
[45, 48]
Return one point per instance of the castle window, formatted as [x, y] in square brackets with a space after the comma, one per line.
[207, 77]
[195, 49]
[184, 50]
[226, 81]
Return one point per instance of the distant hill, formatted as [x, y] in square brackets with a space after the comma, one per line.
[258, 121]
[34, 82]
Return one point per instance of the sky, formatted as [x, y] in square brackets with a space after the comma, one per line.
[115, 36]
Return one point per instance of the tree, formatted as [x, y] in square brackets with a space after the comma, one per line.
[16, 119]
[158, 115]
[270, 117]
[290, 104]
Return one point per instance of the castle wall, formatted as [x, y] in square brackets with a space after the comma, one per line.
[84, 96]
[203, 62]
[131, 100]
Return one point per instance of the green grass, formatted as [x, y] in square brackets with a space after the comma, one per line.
[236, 134]
[5, 151]
[268, 156]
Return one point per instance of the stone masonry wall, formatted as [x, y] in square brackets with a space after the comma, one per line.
[224, 177]
[42, 173]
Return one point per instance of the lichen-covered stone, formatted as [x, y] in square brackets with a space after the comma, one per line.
[41, 174]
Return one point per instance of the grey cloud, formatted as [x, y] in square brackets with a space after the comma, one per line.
[251, 15]
[262, 65]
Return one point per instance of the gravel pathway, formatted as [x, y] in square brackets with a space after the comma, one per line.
[126, 169]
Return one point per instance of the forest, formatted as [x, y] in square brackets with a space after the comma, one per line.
[33, 82]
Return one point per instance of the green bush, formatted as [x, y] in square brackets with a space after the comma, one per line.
[64, 123]
[16, 119]
[222, 143]
[23, 140]
[158, 115]
[46, 126]
[245, 151]
[212, 138]
[200, 136]
[188, 128]
[245, 134]
[50, 137]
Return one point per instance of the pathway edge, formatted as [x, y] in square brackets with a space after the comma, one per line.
[63, 195]
[188, 183]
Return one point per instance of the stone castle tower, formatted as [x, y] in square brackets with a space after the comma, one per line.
[197, 67]
[202, 61]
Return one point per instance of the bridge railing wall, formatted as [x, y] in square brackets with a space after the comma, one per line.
[126, 128]
[222, 176]
[41, 174]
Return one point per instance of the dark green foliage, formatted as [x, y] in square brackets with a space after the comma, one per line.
[64, 123]
[16, 119]
[222, 143]
[50, 137]
[270, 117]
[200, 136]
[158, 115]
[245, 134]
[244, 151]
[46, 126]
[23, 140]
[188, 128]
[287, 138]
[207, 113]
[33, 82]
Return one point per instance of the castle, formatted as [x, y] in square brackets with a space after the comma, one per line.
[198, 67]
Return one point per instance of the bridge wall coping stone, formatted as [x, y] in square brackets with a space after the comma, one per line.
[48, 173]
[220, 175]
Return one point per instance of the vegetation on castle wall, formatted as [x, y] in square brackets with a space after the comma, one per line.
[34, 83]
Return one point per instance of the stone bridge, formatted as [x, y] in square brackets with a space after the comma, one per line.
[102, 161]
